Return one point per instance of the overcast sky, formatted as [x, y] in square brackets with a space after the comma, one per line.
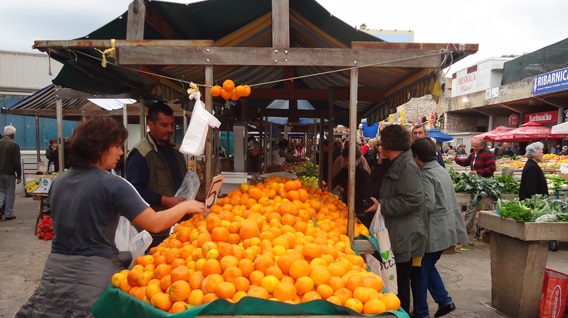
[500, 27]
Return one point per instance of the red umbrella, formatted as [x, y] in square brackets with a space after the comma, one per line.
[530, 131]
[491, 135]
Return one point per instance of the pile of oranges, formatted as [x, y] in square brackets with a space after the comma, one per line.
[229, 91]
[275, 240]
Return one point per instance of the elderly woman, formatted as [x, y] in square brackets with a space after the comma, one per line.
[445, 228]
[401, 203]
[532, 178]
[86, 203]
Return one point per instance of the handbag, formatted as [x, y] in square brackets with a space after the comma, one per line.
[385, 266]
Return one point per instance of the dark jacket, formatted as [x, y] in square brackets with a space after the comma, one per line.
[10, 162]
[532, 181]
[402, 198]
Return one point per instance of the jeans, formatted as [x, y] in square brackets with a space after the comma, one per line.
[7, 193]
[426, 278]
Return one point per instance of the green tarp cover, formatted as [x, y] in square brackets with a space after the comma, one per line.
[116, 303]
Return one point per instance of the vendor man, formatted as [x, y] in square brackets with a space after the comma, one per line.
[482, 163]
[155, 167]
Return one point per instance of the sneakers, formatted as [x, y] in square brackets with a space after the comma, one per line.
[444, 310]
[8, 218]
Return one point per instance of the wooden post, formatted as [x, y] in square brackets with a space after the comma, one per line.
[352, 146]
[280, 23]
[60, 141]
[208, 143]
[330, 136]
[136, 16]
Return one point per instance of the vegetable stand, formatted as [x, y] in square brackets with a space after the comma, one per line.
[518, 260]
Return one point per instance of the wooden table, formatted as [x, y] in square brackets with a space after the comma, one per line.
[43, 209]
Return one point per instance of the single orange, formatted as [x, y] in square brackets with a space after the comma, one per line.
[300, 268]
[225, 290]
[179, 291]
[285, 291]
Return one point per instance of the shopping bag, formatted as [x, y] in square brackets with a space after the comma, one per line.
[386, 267]
[554, 294]
[189, 186]
[128, 239]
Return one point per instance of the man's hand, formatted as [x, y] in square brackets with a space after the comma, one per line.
[171, 201]
[473, 172]
[374, 207]
[18, 180]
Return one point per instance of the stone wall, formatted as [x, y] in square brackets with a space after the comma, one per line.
[457, 123]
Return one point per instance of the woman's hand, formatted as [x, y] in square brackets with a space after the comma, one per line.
[195, 206]
[374, 207]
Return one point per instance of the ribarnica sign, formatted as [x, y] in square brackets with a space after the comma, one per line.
[551, 82]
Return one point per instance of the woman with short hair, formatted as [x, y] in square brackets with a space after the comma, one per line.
[86, 203]
[445, 227]
[532, 178]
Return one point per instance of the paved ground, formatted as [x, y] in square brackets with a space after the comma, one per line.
[22, 258]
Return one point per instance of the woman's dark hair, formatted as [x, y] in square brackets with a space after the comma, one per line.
[424, 149]
[395, 137]
[345, 152]
[92, 138]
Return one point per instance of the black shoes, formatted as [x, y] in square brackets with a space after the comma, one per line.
[8, 218]
[444, 310]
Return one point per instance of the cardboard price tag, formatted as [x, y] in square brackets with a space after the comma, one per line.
[213, 193]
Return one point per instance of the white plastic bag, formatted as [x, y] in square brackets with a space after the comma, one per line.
[194, 140]
[124, 233]
[127, 239]
[139, 244]
[189, 186]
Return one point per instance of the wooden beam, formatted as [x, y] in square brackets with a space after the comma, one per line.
[339, 93]
[280, 24]
[278, 57]
[43, 45]
[161, 25]
[470, 48]
[135, 24]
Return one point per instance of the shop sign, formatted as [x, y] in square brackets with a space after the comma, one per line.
[466, 81]
[550, 117]
[514, 120]
[551, 82]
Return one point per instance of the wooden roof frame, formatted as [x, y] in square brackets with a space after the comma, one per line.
[137, 52]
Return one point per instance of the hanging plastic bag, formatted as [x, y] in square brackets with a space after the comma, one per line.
[193, 143]
[189, 186]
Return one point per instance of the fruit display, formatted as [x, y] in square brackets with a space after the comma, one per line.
[276, 240]
[229, 92]
[45, 229]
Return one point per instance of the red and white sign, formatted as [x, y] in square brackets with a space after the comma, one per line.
[550, 117]
[514, 120]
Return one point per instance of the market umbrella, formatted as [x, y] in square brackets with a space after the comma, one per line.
[560, 128]
[491, 135]
[530, 131]
[439, 136]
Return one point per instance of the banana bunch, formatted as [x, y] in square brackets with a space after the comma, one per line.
[32, 185]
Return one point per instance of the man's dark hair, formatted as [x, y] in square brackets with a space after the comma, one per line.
[418, 127]
[424, 149]
[283, 143]
[92, 138]
[395, 137]
[158, 108]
